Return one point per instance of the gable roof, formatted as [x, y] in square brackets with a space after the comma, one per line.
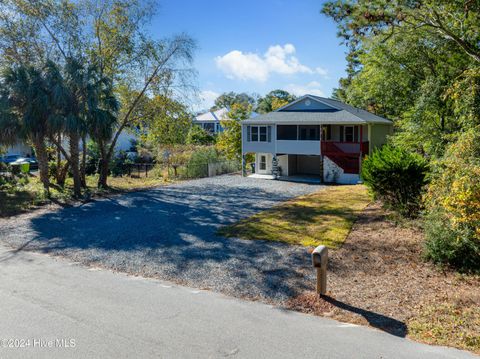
[332, 112]
[217, 116]
[213, 116]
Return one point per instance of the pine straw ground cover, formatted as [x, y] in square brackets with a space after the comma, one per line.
[378, 278]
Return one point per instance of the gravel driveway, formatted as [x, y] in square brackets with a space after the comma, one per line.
[169, 233]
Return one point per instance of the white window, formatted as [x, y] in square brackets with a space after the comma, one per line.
[348, 133]
[259, 133]
[263, 163]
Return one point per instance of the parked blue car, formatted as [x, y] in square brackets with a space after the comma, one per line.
[18, 159]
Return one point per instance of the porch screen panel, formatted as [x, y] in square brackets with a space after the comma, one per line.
[309, 132]
[349, 133]
[287, 132]
[327, 132]
[248, 133]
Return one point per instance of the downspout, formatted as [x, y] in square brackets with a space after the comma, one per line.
[360, 158]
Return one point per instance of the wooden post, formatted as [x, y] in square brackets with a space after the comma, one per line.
[322, 280]
[319, 261]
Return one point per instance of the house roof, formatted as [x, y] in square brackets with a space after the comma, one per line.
[216, 116]
[332, 112]
[213, 116]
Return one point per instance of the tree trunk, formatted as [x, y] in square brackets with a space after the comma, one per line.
[102, 173]
[59, 161]
[84, 162]
[75, 164]
[62, 174]
[42, 158]
[103, 167]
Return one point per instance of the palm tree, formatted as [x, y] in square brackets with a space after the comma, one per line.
[102, 117]
[75, 82]
[86, 105]
[25, 112]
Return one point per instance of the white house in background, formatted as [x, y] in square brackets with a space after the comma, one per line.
[21, 149]
[313, 137]
[124, 143]
[211, 120]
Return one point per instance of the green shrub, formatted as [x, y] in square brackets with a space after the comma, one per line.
[450, 245]
[452, 222]
[93, 157]
[197, 165]
[198, 136]
[119, 163]
[397, 177]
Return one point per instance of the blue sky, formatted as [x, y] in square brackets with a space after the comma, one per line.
[257, 46]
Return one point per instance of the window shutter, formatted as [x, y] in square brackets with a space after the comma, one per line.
[249, 130]
[341, 133]
[269, 133]
[355, 134]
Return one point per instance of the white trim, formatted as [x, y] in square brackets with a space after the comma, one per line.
[258, 133]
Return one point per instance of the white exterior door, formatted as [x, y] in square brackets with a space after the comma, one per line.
[263, 164]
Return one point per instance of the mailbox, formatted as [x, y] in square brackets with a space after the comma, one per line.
[320, 261]
[319, 256]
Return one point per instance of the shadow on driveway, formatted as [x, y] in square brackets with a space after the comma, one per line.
[169, 233]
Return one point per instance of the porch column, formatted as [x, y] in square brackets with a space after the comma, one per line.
[244, 165]
[274, 165]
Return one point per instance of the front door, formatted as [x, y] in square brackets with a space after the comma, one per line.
[262, 164]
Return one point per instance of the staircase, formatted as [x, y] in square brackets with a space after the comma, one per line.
[349, 162]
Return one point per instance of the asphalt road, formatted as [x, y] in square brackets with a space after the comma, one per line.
[101, 314]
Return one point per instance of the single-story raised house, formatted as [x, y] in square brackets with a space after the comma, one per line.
[313, 137]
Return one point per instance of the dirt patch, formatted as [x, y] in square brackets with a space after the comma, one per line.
[379, 278]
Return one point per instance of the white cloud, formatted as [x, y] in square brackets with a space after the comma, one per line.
[321, 71]
[311, 88]
[206, 99]
[246, 66]
[250, 66]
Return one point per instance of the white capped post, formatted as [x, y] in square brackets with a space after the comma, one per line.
[319, 261]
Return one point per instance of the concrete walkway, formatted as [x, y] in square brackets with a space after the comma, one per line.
[101, 314]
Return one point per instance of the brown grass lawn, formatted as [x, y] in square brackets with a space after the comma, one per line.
[378, 278]
[376, 273]
[31, 195]
[324, 217]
